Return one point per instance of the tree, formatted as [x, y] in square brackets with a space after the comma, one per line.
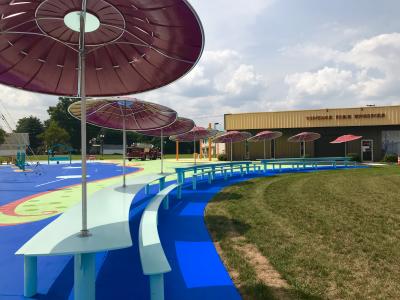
[54, 134]
[34, 127]
[61, 116]
[2, 136]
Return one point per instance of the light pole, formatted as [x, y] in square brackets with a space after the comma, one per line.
[101, 136]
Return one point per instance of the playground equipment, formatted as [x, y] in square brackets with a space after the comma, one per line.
[52, 153]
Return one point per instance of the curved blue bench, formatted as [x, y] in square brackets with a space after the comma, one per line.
[152, 256]
[108, 222]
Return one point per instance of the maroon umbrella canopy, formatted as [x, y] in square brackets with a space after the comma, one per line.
[265, 136]
[304, 137]
[180, 126]
[138, 115]
[346, 138]
[131, 46]
[196, 134]
[232, 137]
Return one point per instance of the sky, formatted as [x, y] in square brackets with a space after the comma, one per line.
[272, 55]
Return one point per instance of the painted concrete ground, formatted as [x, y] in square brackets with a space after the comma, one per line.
[197, 271]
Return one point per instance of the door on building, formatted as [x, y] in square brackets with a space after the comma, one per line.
[367, 150]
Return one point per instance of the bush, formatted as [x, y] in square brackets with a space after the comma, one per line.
[354, 157]
[390, 158]
[222, 157]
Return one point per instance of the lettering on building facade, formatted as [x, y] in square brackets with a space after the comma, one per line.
[346, 117]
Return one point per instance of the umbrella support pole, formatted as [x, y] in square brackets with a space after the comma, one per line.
[231, 151]
[265, 156]
[82, 94]
[124, 151]
[162, 152]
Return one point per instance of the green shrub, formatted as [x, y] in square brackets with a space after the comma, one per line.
[222, 157]
[390, 158]
[354, 157]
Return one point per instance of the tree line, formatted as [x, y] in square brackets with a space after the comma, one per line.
[62, 128]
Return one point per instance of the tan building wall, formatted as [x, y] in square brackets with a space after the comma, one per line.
[363, 116]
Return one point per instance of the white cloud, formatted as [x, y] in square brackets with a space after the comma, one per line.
[221, 83]
[369, 71]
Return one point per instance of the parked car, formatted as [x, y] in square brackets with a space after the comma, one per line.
[142, 151]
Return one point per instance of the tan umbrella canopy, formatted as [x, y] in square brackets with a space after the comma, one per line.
[96, 48]
[232, 137]
[265, 136]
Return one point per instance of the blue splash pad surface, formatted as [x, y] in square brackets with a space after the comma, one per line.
[197, 271]
[54, 272]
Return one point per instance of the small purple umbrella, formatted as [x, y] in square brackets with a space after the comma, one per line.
[125, 114]
[180, 126]
[304, 137]
[232, 137]
[196, 134]
[265, 136]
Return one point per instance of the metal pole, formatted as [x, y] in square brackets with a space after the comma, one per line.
[274, 148]
[82, 94]
[124, 145]
[194, 149]
[265, 156]
[177, 149]
[231, 151]
[304, 149]
[162, 152]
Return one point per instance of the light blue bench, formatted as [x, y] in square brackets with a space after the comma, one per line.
[152, 256]
[211, 170]
[307, 161]
[108, 222]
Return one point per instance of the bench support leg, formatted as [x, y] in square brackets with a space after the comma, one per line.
[157, 287]
[147, 189]
[84, 276]
[162, 183]
[209, 178]
[166, 203]
[30, 276]
[194, 181]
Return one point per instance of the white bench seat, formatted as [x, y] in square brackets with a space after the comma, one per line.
[152, 256]
[108, 223]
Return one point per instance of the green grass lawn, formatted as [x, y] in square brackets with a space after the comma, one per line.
[329, 234]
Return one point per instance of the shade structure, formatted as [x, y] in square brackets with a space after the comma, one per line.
[180, 126]
[344, 139]
[194, 135]
[130, 46]
[96, 48]
[264, 136]
[304, 137]
[125, 114]
[232, 137]
[138, 115]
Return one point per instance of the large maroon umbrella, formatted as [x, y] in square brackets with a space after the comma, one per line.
[265, 136]
[96, 48]
[194, 135]
[344, 139]
[232, 137]
[180, 126]
[125, 114]
[304, 137]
